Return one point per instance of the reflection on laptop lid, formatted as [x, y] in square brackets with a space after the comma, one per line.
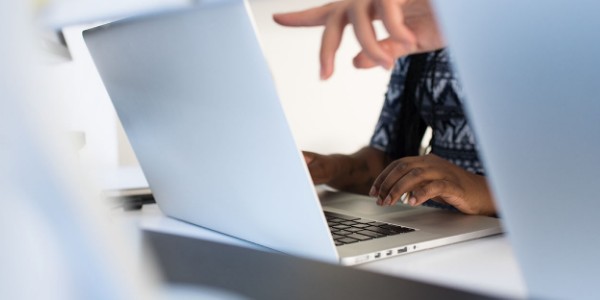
[531, 71]
[198, 103]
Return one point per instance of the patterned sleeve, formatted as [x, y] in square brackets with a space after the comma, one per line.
[391, 106]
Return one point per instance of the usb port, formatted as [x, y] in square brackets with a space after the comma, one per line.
[389, 253]
[377, 255]
[401, 250]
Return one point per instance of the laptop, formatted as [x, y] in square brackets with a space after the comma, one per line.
[530, 72]
[198, 103]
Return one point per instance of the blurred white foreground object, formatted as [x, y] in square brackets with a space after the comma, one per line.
[57, 243]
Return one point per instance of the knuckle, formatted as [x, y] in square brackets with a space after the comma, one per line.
[439, 185]
[429, 190]
[401, 166]
[421, 192]
[417, 172]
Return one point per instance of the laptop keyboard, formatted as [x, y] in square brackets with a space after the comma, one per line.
[347, 229]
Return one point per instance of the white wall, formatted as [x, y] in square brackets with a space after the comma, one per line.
[337, 115]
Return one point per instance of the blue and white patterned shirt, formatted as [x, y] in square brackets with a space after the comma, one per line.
[440, 95]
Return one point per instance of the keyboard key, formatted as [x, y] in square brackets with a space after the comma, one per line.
[340, 226]
[391, 227]
[349, 223]
[348, 229]
[381, 230]
[396, 228]
[335, 236]
[359, 237]
[375, 223]
[347, 240]
[343, 232]
[371, 234]
[361, 225]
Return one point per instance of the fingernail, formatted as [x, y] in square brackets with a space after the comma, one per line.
[412, 201]
[323, 73]
[388, 200]
[372, 192]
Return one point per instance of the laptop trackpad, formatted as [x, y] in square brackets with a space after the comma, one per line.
[358, 204]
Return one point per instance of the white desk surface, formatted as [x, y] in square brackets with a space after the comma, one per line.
[485, 265]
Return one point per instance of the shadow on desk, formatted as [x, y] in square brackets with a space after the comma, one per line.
[261, 275]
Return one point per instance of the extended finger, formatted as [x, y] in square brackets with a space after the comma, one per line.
[360, 17]
[315, 16]
[374, 192]
[393, 20]
[330, 42]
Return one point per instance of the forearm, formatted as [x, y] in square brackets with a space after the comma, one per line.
[356, 172]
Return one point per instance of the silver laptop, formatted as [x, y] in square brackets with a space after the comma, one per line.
[531, 73]
[198, 103]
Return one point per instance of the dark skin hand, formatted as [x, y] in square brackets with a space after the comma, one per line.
[431, 177]
[368, 171]
[352, 173]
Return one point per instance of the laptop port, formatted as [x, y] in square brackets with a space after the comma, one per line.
[402, 250]
[377, 255]
[390, 252]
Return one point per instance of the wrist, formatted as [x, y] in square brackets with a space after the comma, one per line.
[340, 166]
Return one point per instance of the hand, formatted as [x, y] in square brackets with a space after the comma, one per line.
[431, 177]
[351, 173]
[323, 168]
[411, 25]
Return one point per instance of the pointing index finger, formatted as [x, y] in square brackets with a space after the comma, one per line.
[315, 16]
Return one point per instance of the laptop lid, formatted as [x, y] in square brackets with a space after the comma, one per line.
[530, 72]
[196, 99]
[165, 97]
